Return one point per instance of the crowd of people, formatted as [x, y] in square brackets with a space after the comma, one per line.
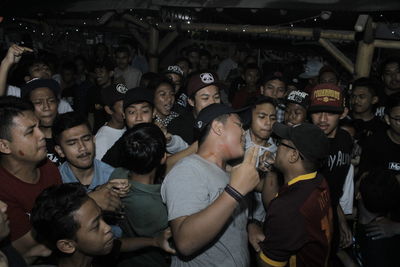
[104, 163]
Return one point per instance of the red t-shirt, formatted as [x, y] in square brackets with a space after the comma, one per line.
[298, 226]
[20, 196]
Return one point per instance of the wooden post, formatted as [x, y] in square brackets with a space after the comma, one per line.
[336, 53]
[365, 54]
[387, 44]
[167, 40]
[153, 49]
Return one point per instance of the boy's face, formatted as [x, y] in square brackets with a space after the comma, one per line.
[234, 135]
[274, 88]
[122, 60]
[176, 80]
[361, 100]
[391, 76]
[45, 104]
[94, 237]
[204, 62]
[164, 98]
[205, 97]
[77, 146]
[295, 114]
[40, 70]
[118, 111]
[393, 119]
[251, 77]
[103, 76]
[138, 113]
[263, 117]
[184, 67]
[327, 122]
[328, 77]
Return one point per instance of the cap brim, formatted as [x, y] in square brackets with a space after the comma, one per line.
[281, 130]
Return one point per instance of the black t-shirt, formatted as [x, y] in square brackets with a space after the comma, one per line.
[116, 154]
[380, 152]
[183, 126]
[365, 129]
[337, 167]
[51, 152]
[299, 224]
[13, 257]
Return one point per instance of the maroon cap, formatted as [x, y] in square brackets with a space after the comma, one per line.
[201, 80]
[326, 97]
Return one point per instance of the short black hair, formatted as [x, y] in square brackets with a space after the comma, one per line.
[252, 66]
[388, 61]
[144, 147]
[68, 65]
[123, 49]
[204, 53]
[380, 191]
[202, 135]
[147, 78]
[181, 59]
[67, 121]
[392, 102]
[370, 84]
[52, 215]
[157, 81]
[264, 100]
[105, 64]
[11, 107]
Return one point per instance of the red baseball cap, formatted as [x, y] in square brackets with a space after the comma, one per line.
[326, 97]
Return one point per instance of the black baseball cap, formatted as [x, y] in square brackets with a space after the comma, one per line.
[309, 139]
[53, 85]
[136, 95]
[209, 113]
[112, 94]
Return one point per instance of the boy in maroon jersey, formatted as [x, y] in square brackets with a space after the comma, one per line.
[298, 225]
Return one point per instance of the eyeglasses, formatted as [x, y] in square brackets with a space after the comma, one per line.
[279, 142]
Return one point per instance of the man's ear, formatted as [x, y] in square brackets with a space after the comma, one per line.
[5, 146]
[344, 114]
[59, 151]
[108, 110]
[294, 156]
[66, 246]
[217, 127]
[374, 100]
[191, 102]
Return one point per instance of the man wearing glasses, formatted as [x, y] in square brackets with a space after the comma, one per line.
[298, 226]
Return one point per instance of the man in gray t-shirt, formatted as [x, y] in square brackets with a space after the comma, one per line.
[207, 209]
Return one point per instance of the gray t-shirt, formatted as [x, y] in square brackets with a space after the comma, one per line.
[191, 186]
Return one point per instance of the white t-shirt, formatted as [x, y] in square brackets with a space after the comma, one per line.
[105, 139]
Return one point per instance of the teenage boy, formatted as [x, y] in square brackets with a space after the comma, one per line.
[202, 90]
[109, 133]
[124, 73]
[42, 93]
[207, 210]
[138, 108]
[362, 102]
[145, 213]
[70, 223]
[249, 91]
[298, 225]
[297, 103]
[274, 85]
[24, 171]
[382, 149]
[326, 109]
[37, 69]
[104, 72]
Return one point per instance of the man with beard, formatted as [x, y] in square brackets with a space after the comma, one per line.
[207, 208]
[298, 225]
